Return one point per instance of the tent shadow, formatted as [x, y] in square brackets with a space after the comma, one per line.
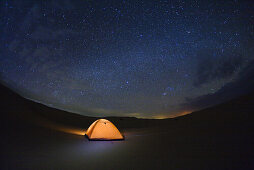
[101, 139]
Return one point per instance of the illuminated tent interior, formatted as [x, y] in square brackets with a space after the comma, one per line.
[103, 129]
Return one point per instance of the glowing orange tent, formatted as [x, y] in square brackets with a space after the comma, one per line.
[103, 129]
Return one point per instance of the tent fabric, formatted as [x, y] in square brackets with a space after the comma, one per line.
[103, 129]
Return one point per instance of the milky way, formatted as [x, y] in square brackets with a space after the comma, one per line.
[124, 58]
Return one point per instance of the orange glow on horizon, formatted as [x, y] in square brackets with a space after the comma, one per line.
[183, 113]
[172, 116]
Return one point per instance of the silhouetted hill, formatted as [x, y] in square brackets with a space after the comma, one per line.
[18, 109]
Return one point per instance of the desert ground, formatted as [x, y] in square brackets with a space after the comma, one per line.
[34, 136]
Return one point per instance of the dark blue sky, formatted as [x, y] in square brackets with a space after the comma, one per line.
[128, 58]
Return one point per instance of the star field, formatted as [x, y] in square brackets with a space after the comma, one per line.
[125, 58]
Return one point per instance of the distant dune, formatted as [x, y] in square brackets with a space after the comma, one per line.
[34, 136]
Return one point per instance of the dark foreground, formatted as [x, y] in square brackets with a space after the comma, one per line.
[34, 136]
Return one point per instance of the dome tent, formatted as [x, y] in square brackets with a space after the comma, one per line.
[103, 129]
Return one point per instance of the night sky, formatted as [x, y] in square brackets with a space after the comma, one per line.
[151, 59]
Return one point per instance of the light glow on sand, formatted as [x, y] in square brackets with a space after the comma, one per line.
[41, 121]
[71, 130]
